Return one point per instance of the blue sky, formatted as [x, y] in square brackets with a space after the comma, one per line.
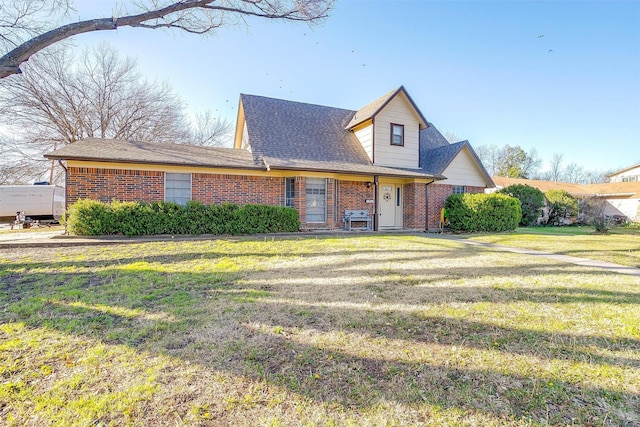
[558, 76]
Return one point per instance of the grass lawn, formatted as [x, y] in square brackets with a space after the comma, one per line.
[620, 246]
[369, 330]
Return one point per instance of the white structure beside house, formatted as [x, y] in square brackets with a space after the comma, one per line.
[628, 174]
[623, 198]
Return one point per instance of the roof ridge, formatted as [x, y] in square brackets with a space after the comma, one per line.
[295, 102]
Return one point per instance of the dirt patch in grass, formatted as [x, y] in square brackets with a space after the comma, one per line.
[369, 330]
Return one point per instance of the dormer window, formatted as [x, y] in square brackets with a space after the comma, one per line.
[397, 134]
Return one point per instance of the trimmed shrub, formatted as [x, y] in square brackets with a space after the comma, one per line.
[483, 212]
[562, 206]
[531, 202]
[93, 218]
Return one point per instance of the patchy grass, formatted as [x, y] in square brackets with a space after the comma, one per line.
[621, 246]
[363, 331]
[5, 229]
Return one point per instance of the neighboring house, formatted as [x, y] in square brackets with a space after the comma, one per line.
[321, 160]
[623, 198]
[628, 174]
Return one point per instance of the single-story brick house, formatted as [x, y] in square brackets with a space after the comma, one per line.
[623, 197]
[385, 158]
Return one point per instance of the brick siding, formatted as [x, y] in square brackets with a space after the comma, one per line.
[237, 189]
[108, 184]
[139, 185]
[414, 206]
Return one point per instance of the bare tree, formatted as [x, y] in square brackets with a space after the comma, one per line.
[59, 101]
[573, 172]
[555, 168]
[26, 30]
[211, 131]
[451, 137]
[489, 155]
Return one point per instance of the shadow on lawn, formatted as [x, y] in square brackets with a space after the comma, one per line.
[219, 323]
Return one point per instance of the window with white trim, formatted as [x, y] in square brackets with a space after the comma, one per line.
[459, 189]
[177, 187]
[289, 191]
[316, 192]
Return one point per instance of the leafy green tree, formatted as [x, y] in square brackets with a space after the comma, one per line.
[531, 202]
[509, 161]
[562, 206]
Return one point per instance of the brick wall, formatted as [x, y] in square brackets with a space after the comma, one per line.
[414, 206]
[353, 195]
[238, 189]
[107, 184]
[146, 186]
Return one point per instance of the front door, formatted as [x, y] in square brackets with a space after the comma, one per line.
[390, 206]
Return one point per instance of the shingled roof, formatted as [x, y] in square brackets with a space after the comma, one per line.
[436, 154]
[284, 135]
[299, 136]
[121, 151]
[370, 110]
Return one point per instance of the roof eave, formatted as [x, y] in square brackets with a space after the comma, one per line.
[133, 162]
[352, 172]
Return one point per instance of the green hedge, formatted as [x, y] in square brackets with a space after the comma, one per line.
[531, 202]
[94, 218]
[483, 212]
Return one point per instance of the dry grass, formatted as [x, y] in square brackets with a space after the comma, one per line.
[371, 330]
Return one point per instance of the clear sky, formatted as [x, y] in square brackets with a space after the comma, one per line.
[558, 76]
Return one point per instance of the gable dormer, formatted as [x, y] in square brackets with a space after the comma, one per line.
[389, 130]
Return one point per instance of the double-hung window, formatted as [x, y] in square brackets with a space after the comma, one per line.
[397, 134]
[177, 187]
[316, 192]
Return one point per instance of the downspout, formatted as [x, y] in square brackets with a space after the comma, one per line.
[66, 195]
[375, 202]
[426, 206]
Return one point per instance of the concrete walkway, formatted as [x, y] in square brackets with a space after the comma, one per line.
[617, 268]
[40, 239]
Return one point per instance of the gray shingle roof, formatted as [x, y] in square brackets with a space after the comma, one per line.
[435, 160]
[114, 150]
[299, 136]
[347, 168]
[431, 138]
[281, 129]
[283, 135]
[368, 111]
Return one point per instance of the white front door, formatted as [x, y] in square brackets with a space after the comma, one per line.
[390, 206]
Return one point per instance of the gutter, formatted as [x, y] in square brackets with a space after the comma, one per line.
[66, 195]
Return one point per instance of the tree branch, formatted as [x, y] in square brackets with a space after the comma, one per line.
[298, 10]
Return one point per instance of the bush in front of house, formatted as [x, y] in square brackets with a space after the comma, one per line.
[531, 202]
[95, 218]
[483, 212]
[562, 207]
